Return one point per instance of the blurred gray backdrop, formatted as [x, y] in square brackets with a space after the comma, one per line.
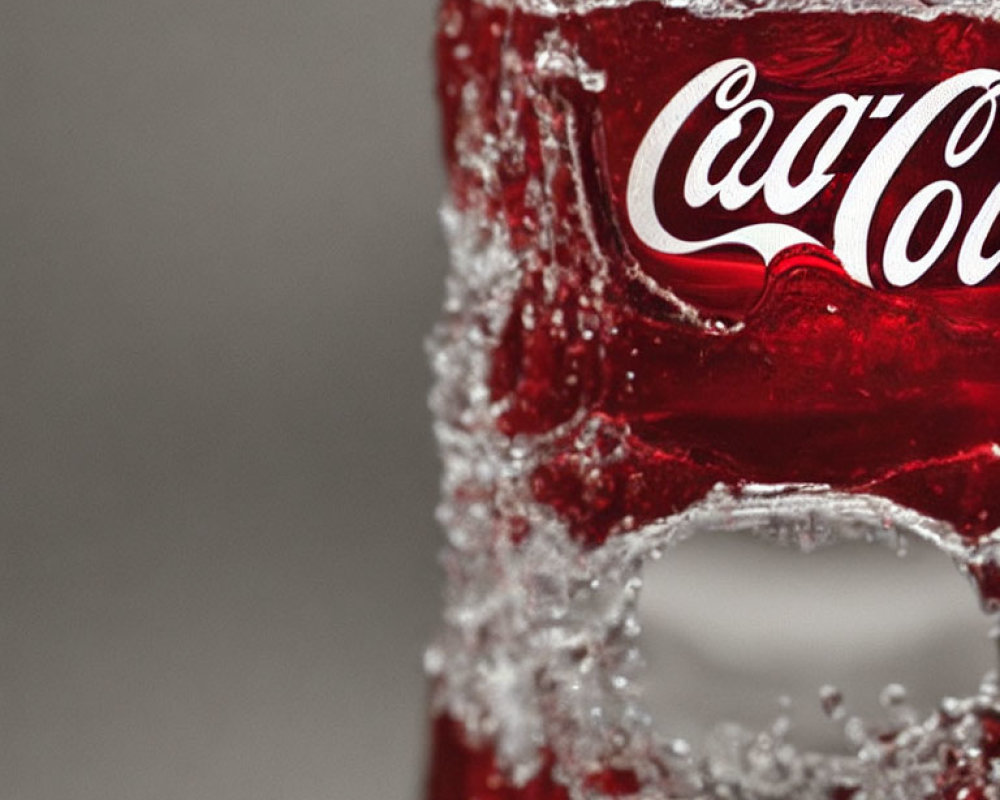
[220, 255]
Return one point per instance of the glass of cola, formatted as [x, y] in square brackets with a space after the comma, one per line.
[723, 266]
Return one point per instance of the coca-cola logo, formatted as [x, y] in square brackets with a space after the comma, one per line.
[728, 87]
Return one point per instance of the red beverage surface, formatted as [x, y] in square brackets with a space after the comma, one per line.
[462, 771]
[797, 372]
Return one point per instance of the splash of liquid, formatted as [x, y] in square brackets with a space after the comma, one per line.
[597, 404]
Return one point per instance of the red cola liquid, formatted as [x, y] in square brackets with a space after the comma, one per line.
[888, 391]
[718, 365]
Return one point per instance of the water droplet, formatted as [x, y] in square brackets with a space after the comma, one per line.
[434, 661]
[680, 748]
[952, 707]
[832, 701]
[892, 696]
[594, 80]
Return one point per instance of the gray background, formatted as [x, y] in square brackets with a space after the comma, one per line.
[220, 255]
